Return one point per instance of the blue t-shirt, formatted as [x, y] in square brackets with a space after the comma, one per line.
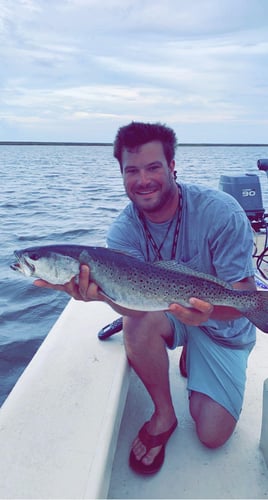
[215, 237]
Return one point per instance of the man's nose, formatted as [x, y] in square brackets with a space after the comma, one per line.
[144, 176]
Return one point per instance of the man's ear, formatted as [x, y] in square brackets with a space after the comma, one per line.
[172, 168]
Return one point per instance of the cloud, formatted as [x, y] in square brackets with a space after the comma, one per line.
[70, 63]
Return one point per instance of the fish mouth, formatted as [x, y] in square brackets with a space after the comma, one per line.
[22, 264]
[15, 266]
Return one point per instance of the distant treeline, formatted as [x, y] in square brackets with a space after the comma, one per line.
[44, 143]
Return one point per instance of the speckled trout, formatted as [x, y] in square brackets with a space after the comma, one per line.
[138, 285]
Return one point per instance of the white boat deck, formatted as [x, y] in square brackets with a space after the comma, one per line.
[59, 427]
[237, 470]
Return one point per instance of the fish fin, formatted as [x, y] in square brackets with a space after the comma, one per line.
[173, 265]
[259, 315]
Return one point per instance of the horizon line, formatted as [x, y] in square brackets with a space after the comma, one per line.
[83, 143]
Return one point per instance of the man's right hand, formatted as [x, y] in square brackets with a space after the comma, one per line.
[85, 289]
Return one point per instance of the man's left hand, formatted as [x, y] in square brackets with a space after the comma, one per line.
[198, 313]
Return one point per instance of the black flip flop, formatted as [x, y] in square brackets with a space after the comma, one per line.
[182, 363]
[109, 330]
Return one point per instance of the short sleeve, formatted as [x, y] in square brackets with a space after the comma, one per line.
[231, 243]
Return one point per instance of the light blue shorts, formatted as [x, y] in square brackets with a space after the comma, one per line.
[212, 369]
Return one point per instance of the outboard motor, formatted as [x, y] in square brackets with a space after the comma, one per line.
[246, 190]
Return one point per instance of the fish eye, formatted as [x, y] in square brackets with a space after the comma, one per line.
[34, 256]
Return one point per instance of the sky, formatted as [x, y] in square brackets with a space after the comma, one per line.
[76, 70]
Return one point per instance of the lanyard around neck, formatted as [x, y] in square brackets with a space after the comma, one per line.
[149, 238]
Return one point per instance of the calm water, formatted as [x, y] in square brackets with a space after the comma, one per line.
[71, 194]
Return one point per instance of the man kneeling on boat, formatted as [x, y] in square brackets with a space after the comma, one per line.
[208, 231]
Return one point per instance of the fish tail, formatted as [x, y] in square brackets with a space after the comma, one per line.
[259, 314]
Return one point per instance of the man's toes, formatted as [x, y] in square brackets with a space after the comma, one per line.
[138, 449]
[150, 456]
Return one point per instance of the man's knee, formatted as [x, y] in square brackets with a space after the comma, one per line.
[146, 328]
[212, 438]
[214, 424]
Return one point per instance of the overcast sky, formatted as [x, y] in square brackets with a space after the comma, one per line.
[76, 70]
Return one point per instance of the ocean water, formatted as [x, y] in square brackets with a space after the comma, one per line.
[71, 194]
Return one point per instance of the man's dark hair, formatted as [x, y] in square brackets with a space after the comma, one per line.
[137, 133]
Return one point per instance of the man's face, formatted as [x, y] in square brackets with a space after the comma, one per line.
[148, 179]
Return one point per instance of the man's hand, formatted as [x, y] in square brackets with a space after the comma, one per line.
[85, 289]
[198, 313]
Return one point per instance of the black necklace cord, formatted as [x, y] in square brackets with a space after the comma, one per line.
[149, 238]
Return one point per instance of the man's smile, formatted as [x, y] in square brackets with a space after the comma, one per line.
[145, 192]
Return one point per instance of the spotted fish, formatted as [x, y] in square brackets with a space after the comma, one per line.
[138, 285]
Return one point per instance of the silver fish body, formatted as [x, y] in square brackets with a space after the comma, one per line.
[139, 285]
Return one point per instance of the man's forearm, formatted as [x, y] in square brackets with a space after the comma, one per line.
[224, 313]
